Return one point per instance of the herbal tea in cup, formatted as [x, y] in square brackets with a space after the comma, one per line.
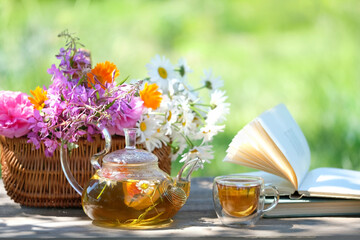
[239, 200]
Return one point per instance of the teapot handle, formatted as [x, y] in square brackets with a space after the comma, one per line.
[96, 156]
[94, 159]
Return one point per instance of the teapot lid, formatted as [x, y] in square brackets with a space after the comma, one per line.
[130, 155]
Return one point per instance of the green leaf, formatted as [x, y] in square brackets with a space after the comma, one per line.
[110, 104]
[123, 81]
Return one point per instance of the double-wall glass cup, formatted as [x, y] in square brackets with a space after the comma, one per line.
[239, 199]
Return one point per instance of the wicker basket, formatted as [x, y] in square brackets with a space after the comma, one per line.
[31, 179]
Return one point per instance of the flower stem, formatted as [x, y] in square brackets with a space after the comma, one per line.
[101, 192]
[196, 110]
[157, 113]
[187, 139]
[201, 104]
[199, 88]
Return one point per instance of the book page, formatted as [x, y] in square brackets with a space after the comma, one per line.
[275, 155]
[331, 182]
[283, 186]
[252, 147]
[289, 138]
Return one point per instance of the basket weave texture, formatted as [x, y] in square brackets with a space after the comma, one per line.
[32, 179]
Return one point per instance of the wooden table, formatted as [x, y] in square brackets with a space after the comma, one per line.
[196, 219]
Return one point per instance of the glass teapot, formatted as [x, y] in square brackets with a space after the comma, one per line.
[129, 190]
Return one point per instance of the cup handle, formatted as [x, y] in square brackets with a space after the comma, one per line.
[276, 198]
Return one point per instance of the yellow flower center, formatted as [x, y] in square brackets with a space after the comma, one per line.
[162, 72]
[142, 126]
[194, 151]
[144, 186]
[169, 117]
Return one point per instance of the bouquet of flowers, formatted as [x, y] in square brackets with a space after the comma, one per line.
[179, 116]
[164, 107]
[78, 97]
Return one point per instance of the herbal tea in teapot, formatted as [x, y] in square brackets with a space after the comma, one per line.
[130, 190]
[132, 203]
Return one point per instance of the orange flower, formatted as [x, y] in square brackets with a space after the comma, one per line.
[104, 74]
[39, 98]
[138, 199]
[151, 97]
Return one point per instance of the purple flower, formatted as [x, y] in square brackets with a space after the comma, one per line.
[73, 106]
[51, 146]
[124, 115]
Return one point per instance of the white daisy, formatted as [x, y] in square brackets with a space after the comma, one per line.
[160, 71]
[219, 108]
[149, 132]
[147, 126]
[218, 98]
[209, 131]
[161, 136]
[145, 186]
[204, 153]
[187, 126]
[174, 86]
[169, 108]
[152, 142]
[184, 69]
[180, 144]
[216, 115]
[210, 82]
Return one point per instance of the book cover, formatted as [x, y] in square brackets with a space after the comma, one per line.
[314, 207]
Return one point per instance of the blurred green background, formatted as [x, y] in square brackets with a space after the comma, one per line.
[305, 54]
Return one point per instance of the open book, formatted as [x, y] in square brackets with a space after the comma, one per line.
[275, 144]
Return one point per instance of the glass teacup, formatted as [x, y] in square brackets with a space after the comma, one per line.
[239, 199]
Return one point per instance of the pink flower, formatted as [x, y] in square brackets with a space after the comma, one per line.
[125, 116]
[15, 111]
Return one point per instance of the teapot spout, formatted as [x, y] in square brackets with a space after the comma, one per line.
[183, 179]
[178, 191]
[185, 172]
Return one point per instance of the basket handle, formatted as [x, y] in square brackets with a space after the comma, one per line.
[94, 159]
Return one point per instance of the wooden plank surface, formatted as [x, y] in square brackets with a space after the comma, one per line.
[196, 219]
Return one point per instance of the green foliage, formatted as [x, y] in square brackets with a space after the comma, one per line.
[302, 53]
